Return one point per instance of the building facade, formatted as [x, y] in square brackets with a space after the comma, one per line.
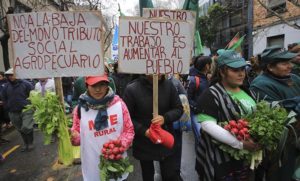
[269, 29]
[234, 21]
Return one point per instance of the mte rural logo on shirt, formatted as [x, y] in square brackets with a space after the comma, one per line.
[113, 120]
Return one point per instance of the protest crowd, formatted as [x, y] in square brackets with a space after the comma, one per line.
[219, 100]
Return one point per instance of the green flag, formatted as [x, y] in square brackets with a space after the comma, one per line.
[145, 4]
[233, 40]
[237, 45]
[199, 47]
[192, 5]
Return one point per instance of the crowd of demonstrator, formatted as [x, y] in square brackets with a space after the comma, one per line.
[218, 88]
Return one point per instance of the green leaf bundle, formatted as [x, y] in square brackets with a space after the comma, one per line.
[114, 169]
[51, 120]
[267, 124]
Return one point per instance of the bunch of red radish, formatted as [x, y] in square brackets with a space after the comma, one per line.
[113, 150]
[239, 129]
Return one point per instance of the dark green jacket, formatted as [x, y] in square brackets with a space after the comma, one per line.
[270, 88]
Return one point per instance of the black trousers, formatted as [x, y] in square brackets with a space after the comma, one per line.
[178, 148]
[168, 169]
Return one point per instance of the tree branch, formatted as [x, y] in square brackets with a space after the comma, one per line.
[106, 39]
[295, 25]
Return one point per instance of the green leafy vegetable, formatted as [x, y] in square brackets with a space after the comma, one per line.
[114, 169]
[51, 120]
[267, 124]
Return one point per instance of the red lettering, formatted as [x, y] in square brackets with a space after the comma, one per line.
[75, 61]
[63, 20]
[46, 47]
[113, 119]
[149, 64]
[83, 59]
[47, 59]
[167, 65]
[81, 19]
[30, 21]
[58, 60]
[91, 125]
[45, 20]
[17, 63]
[62, 47]
[100, 133]
[96, 61]
[105, 132]
[180, 67]
[71, 49]
[55, 20]
[31, 45]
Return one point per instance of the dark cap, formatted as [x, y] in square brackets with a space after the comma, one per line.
[231, 59]
[275, 54]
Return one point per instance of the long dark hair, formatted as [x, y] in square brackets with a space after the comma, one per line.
[201, 61]
[216, 76]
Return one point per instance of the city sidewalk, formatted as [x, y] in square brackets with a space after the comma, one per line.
[41, 163]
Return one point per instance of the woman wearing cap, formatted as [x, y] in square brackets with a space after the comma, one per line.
[277, 83]
[101, 116]
[224, 100]
[138, 96]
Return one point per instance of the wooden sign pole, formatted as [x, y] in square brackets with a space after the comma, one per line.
[59, 90]
[155, 95]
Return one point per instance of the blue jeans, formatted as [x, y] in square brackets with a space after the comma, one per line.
[68, 99]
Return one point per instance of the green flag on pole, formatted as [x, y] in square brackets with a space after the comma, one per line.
[233, 40]
[145, 4]
[192, 5]
[237, 46]
[199, 47]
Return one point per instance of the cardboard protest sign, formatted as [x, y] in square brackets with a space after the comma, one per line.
[154, 46]
[177, 14]
[56, 44]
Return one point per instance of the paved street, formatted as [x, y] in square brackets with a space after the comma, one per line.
[40, 164]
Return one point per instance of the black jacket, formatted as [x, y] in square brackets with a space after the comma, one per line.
[15, 94]
[138, 98]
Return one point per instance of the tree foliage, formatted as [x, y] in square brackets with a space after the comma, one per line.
[209, 24]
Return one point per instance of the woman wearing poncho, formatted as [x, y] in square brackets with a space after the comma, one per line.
[277, 83]
[224, 100]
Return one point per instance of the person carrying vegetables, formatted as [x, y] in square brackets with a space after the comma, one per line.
[100, 117]
[277, 83]
[224, 100]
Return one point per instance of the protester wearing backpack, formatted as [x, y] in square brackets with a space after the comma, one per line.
[197, 83]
